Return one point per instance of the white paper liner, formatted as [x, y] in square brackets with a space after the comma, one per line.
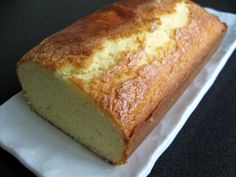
[50, 153]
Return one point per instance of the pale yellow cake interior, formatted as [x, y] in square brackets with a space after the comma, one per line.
[57, 99]
[71, 110]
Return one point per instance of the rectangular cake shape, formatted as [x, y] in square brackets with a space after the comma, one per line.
[101, 79]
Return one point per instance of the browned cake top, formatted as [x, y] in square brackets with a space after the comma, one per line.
[83, 38]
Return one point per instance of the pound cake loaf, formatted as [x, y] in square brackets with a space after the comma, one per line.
[109, 78]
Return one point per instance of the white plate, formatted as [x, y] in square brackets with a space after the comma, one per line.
[48, 152]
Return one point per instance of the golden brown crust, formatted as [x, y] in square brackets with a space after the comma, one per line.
[142, 130]
[151, 87]
[77, 43]
[200, 53]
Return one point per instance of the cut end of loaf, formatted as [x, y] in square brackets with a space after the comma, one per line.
[71, 110]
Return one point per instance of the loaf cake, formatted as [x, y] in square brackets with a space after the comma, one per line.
[110, 77]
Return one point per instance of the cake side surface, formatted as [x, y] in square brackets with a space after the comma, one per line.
[196, 43]
[126, 60]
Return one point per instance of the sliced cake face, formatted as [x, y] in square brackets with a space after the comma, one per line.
[71, 110]
[100, 79]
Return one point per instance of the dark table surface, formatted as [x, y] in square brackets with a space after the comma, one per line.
[205, 147]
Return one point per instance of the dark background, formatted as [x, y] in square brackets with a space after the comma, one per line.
[205, 147]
